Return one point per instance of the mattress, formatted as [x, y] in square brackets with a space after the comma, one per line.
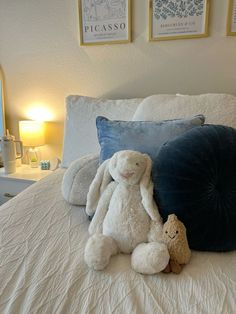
[42, 269]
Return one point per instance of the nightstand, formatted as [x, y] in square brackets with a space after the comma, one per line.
[12, 184]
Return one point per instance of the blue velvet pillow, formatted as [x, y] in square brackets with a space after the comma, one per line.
[143, 136]
[195, 178]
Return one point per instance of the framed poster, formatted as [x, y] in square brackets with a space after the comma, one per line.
[2, 115]
[105, 21]
[177, 19]
[231, 21]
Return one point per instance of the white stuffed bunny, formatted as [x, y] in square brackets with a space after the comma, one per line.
[126, 217]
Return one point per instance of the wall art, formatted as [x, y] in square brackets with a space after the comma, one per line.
[178, 19]
[231, 21]
[2, 115]
[105, 21]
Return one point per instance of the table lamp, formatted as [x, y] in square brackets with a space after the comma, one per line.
[32, 135]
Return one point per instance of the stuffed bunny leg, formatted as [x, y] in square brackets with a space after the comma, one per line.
[102, 207]
[98, 251]
[150, 258]
[153, 257]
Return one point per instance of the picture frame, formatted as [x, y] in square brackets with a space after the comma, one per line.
[231, 19]
[174, 19]
[104, 22]
[2, 109]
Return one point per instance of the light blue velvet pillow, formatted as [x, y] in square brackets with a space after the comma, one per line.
[143, 136]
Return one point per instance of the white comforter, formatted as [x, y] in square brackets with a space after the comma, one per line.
[42, 269]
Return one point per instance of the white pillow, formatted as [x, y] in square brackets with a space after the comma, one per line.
[80, 135]
[77, 179]
[217, 108]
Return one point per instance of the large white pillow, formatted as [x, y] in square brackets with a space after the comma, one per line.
[80, 134]
[217, 108]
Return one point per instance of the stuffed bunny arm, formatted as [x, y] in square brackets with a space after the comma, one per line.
[102, 207]
[148, 202]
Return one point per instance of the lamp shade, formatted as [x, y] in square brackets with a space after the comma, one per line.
[32, 133]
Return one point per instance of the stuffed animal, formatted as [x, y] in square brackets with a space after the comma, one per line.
[174, 235]
[126, 218]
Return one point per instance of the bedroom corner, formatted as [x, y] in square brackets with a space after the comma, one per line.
[117, 156]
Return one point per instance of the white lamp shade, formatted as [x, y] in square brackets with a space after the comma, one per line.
[32, 133]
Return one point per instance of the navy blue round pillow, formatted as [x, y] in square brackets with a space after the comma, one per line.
[195, 177]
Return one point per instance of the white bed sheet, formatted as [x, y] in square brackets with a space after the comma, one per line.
[42, 269]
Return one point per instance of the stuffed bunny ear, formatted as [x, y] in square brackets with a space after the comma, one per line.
[146, 189]
[98, 185]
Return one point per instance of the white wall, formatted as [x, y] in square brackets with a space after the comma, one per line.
[43, 62]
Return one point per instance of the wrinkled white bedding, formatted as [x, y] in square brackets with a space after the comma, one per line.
[42, 269]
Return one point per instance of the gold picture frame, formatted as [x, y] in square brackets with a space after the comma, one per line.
[105, 24]
[2, 109]
[231, 19]
[177, 24]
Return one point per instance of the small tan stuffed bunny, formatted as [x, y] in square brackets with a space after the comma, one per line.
[174, 235]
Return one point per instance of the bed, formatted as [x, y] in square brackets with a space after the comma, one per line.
[42, 238]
